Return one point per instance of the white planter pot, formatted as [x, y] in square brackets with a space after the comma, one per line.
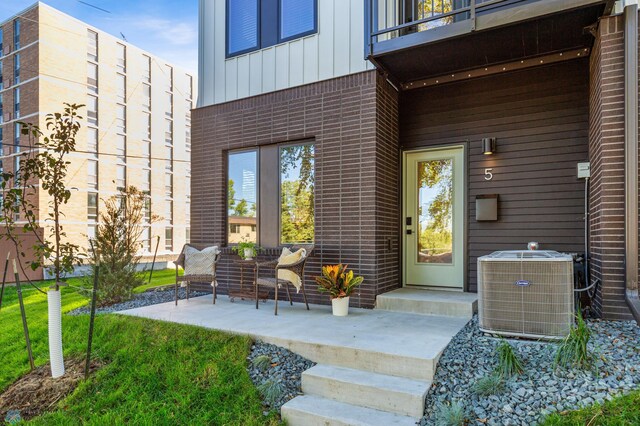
[55, 333]
[340, 306]
[248, 254]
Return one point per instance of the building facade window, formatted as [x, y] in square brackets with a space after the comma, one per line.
[17, 130]
[1, 148]
[121, 88]
[169, 73]
[1, 71]
[168, 131]
[297, 201]
[92, 77]
[16, 68]
[187, 138]
[121, 147]
[146, 180]
[169, 157]
[168, 185]
[168, 239]
[121, 176]
[16, 34]
[146, 239]
[16, 102]
[92, 174]
[146, 69]
[189, 87]
[242, 195]
[249, 29]
[92, 45]
[147, 126]
[1, 110]
[92, 110]
[121, 118]
[169, 105]
[1, 43]
[168, 211]
[92, 140]
[121, 58]
[146, 96]
[297, 19]
[92, 206]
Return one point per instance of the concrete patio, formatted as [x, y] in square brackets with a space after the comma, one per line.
[402, 349]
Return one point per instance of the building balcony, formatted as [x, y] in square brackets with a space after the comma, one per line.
[415, 40]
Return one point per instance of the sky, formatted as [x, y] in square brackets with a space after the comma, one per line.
[167, 29]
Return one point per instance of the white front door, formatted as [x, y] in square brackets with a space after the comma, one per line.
[433, 219]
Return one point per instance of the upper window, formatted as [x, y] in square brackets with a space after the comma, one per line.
[121, 61]
[297, 203]
[92, 45]
[257, 24]
[243, 26]
[16, 34]
[297, 18]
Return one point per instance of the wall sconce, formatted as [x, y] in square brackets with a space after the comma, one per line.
[488, 146]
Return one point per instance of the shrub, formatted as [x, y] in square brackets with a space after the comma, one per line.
[508, 362]
[116, 246]
[453, 414]
[489, 385]
[271, 391]
[262, 362]
[573, 351]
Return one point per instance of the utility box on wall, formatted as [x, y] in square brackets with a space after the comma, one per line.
[486, 207]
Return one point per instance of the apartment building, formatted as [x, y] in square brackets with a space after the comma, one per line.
[136, 127]
[407, 138]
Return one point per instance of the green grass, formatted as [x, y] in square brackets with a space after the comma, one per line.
[509, 363]
[155, 373]
[622, 411]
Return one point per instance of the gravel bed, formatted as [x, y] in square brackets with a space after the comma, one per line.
[540, 391]
[285, 369]
[149, 297]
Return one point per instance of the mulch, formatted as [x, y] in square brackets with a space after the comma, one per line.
[37, 392]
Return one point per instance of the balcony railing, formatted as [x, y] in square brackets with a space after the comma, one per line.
[389, 19]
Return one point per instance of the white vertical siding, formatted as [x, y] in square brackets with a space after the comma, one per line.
[336, 50]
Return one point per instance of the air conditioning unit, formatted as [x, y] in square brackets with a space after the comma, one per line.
[526, 293]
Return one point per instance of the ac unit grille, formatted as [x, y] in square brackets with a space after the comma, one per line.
[540, 307]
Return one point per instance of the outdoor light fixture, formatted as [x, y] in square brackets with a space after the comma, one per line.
[488, 146]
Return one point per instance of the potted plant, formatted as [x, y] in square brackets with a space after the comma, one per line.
[246, 250]
[339, 282]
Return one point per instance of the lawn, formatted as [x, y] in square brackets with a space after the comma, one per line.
[622, 411]
[155, 373]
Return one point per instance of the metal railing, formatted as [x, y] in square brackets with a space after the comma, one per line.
[388, 19]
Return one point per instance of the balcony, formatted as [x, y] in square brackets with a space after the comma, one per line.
[415, 40]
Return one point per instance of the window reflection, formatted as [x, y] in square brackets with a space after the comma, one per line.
[242, 196]
[297, 204]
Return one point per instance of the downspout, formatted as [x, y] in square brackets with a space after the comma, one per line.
[631, 156]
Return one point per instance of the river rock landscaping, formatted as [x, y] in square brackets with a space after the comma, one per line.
[277, 373]
[149, 297]
[542, 389]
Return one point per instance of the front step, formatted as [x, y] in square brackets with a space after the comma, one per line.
[429, 302]
[310, 410]
[388, 393]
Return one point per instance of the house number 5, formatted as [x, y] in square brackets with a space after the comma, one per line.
[488, 174]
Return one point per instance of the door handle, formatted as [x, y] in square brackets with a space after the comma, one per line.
[409, 232]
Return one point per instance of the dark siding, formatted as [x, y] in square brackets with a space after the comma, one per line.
[540, 117]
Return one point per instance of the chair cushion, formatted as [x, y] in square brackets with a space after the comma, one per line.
[200, 262]
[289, 258]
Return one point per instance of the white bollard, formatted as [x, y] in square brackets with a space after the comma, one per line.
[55, 333]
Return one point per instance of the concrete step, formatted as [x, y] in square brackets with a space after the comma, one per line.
[366, 389]
[429, 302]
[310, 410]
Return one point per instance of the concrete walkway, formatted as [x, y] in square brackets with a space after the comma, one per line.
[400, 344]
[374, 366]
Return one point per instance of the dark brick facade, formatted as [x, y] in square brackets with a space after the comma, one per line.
[606, 151]
[353, 123]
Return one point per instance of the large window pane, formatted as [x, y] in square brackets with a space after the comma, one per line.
[296, 194]
[242, 26]
[242, 194]
[297, 17]
[435, 198]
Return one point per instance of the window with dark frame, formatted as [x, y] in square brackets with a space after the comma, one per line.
[287, 215]
[257, 24]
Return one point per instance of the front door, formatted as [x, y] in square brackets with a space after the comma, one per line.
[433, 220]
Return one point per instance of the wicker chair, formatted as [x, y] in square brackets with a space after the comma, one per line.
[186, 280]
[274, 282]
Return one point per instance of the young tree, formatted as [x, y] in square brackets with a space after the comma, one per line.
[117, 245]
[43, 162]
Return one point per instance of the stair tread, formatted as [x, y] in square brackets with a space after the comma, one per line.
[365, 378]
[440, 296]
[323, 409]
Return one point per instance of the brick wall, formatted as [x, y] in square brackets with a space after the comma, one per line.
[606, 152]
[353, 123]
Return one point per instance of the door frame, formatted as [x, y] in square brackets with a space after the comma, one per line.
[465, 211]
